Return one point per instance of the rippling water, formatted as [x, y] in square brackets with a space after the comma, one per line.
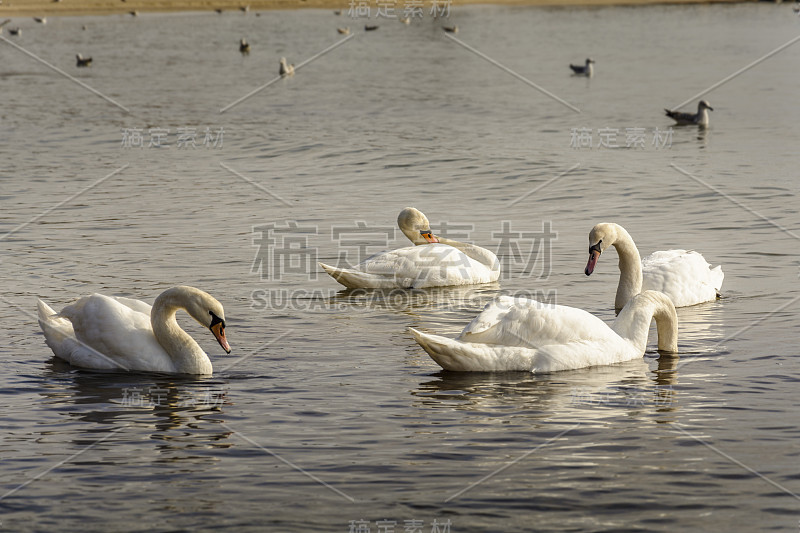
[327, 413]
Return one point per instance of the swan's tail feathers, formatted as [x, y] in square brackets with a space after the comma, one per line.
[44, 310]
[58, 331]
[357, 279]
[348, 278]
[433, 344]
[448, 353]
[717, 276]
[59, 335]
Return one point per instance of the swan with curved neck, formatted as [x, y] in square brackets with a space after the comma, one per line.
[684, 276]
[104, 333]
[433, 261]
[517, 334]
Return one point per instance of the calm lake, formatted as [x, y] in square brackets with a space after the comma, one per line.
[327, 416]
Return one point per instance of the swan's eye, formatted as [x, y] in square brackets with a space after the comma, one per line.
[215, 320]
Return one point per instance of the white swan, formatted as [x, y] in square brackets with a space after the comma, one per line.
[105, 333]
[526, 335]
[684, 276]
[432, 262]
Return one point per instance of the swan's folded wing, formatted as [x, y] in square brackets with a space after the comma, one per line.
[60, 336]
[685, 276]
[429, 265]
[136, 305]
[118, 332]
[460, 356]
[527, 323]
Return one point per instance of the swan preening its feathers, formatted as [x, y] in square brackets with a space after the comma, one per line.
[432, 262]
[684, 276]
[518, 334]
[105, 333]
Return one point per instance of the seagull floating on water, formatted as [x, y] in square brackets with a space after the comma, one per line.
[700, 118]
[586, 70]
[451, 29]
[286, 70]
[343, 31]
[15, 31]
[40, 20]
[367, 27]
[83, 61]
[244, 47]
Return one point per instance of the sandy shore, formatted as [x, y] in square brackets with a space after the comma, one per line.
[15, 8]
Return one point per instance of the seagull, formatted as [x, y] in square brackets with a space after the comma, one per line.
[451, 29]
[134, 13]
[83, 61]
[700, 118]
[337, 12]
[343, 31]
[245, 9]
[586, 70]
[219, 11]
[15, 31]
[286, 70]
[405, 20]
[367, 27]
[40, 20]
[244, 47]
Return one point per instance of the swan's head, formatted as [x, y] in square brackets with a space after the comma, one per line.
[601, 237]
[207, 310]
[414, 225]
[704, 105]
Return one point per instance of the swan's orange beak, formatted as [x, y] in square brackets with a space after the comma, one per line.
[429, 236]
[219, 333]
[593, 256]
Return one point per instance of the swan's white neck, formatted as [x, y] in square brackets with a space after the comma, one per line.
[633, 322]
[630, 268]
[186, 354]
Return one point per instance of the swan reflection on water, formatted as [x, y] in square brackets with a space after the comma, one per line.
[628, 388]
[118, 400]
